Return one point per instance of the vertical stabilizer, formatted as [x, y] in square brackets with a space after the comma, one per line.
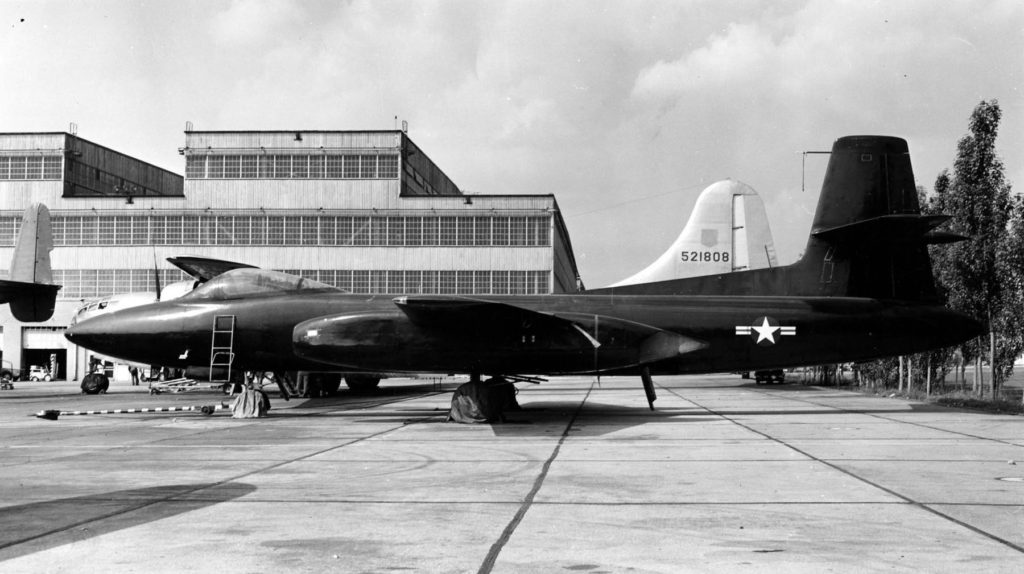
[727, 231]
[31, 261]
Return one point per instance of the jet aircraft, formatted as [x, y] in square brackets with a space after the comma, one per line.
[30, 290]
[862, 290]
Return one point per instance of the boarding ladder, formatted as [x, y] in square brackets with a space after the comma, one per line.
[222, 346]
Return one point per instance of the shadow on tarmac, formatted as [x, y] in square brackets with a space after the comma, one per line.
[37, 526]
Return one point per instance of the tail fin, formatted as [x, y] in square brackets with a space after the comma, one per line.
[727, 231]
[868, 238]
[30, 290]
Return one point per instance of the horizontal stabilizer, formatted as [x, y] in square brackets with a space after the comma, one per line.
[30, 302]
[204, 269]
[902, 228]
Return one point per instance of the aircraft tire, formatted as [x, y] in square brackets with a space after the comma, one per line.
[361, 383]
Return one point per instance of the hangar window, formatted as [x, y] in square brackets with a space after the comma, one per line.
[367, 167]
[465, 230]
[292, 230]
[388, 166]
[430, 231]
[360, 231]
[310, 231]
[447, 282]
[249, 166]
[232, 166]
[334, 167]
[413, 231]
[378, 231]
[266, 166]
[517, 231]
[396, 231]
[32, 166]
[215, 166]
[481, 282]
[316, 167]
[175, 229]
[9, 230]
[351, 167]
[282, 166]
[195, 166]
[482, 230]
[499, 282]
[300, 166]
[447, 231]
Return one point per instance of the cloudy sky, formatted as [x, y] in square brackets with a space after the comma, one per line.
[623, 110]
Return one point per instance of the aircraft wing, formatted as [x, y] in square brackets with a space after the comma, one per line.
[642, 343]
[203, 268]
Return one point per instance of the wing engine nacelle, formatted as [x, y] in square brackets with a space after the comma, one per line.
[477, 336]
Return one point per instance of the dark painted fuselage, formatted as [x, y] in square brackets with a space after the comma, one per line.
[329, 331]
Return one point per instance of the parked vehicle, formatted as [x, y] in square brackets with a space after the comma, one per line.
[8, 373]
[38, 373]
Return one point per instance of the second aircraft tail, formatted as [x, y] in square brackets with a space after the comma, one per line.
[29, 288]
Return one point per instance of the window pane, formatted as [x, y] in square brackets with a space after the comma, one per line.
[232, 166]
[195, 167]
[447, 282]
[447, 232]
[368, 167]
[282, 166]
[360, 231]
[310, 230]
[500, 233]
[300, 166]
[266, 168]
[328, 230]
[465, 227]
[334, 167]
[430, 230]
[258, 227]
[275, 231]
[481, 282]
[316, 168]
[248, 167]
[482, 231]
[388, 165]
[413, 231]
[52, 167]
[378, 231]
[499, 282]
[344, 231]
[241, 230]
[517, 234]
[351, 167]
[215, 166]
[292, 230]
[396, 231]
[189, 230]
[175, 227]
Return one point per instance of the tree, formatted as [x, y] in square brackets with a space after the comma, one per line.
[978, 276]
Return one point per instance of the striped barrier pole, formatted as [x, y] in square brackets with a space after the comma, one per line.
[54, 414]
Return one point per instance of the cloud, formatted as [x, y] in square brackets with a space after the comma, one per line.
[736, 56]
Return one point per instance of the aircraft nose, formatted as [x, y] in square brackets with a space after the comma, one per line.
[89, 332]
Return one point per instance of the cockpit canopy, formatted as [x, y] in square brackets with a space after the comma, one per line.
[244, 282]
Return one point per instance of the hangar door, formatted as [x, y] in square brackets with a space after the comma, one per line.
[45, 347]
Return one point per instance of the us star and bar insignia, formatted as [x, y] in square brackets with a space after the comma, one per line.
[765, 330]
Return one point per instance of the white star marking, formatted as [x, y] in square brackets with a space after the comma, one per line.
[765, 332]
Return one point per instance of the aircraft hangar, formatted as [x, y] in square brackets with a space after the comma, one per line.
[366, 211]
